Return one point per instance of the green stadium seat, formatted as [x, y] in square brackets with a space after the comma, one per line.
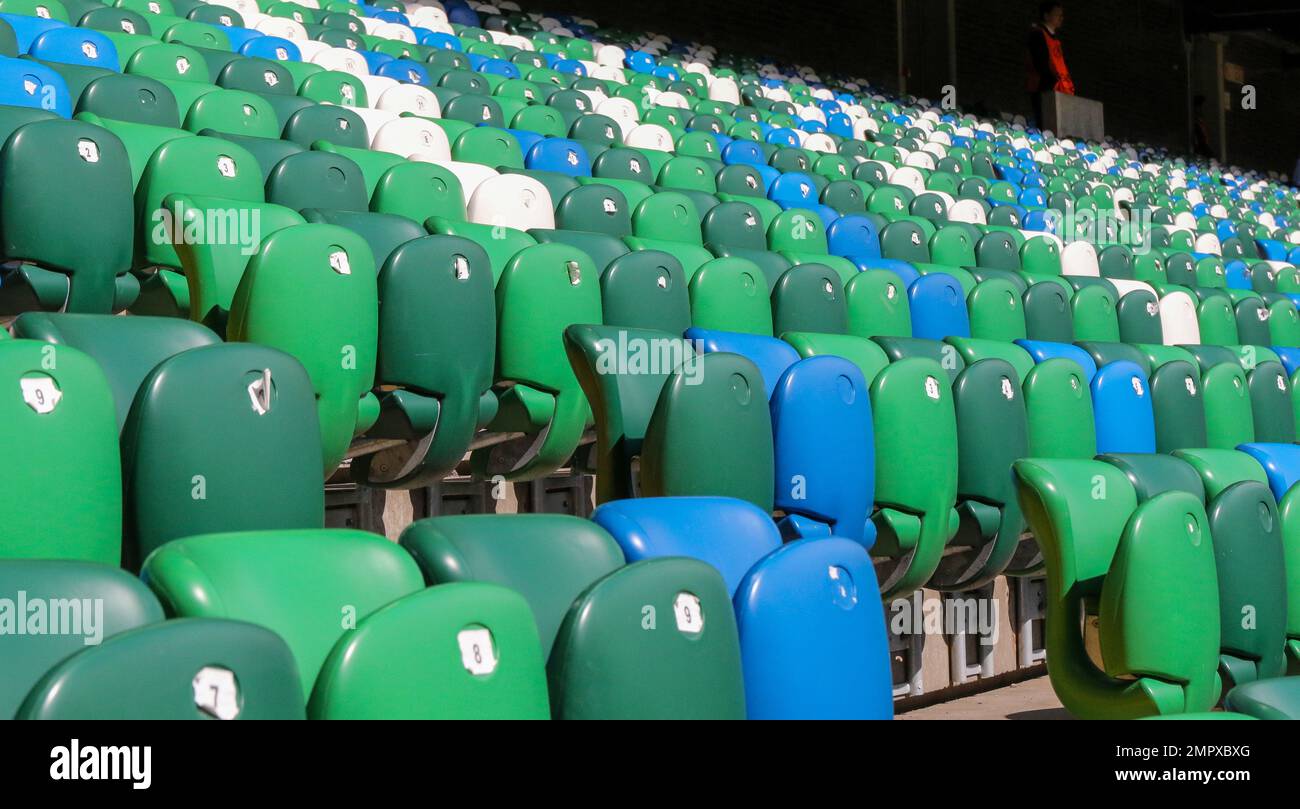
[64, 499]
[549, 559]
[335, 337]
[64, 591]
[190, 668]
[309, 586]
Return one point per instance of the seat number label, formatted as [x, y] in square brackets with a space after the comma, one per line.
[689, 614]
[477, 652]
[216, 693]
[40, 393]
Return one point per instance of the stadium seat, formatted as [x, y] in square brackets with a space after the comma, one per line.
[1148, 572]
[86, 587]
[824, 450]
[548, 559]
[189, 668]
[684, 664]
[812, 634]
[545, 400]
[477, 658]
[254, 402]
[56, 172]
[731, 535]
[335, 337]
[66, 494]
[307, 586]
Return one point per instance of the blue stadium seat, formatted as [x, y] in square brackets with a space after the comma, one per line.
[76, 46]
[559, 155]
[772, 356]
[732, 535]
[812, 635]
[1281, 464]
[1121, 402]
[938, 307]
[24, 83]
[1043, 350]
[825, 450]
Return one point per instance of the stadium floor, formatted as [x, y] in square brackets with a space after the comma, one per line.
[1030, 699]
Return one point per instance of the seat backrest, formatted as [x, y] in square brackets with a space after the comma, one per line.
[597, 207]
[1251, 572]
[419, 190]
[812, 634]
[467, 650]
[825, 448]
[64, 173]
[512, 200]
[878, 305]
[1138, 312]
[1271, 408]
[89, 602]
[771, 356]
[684, 452]
[1178, 319]
[1164, 574]
[543, 290]
[731, 535]
[905, 240]
[1121, 402]
[938, 307]
[125, 348]
[64, 482]
[646, 289]
[809, 297]
[735, 224]
[1252, 321]
[549, 559]
[189, 668]
[307, 586]
[1059, 408]
[27, 83]
[1094, 311]
[854, 237]
[668, 215]
[1048, 315]
[254, 403]
[215, 239]
[622, 372]
[318, 179]
[310, 291]
[1097, 541]
[916, 462]
[731, 294]
[200, 166]
[1178, 408]
[996, 311]
[1229, 418]
[992, 433]
[435, 296]
[684, 664]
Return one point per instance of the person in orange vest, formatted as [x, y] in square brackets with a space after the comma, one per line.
[1045, 66]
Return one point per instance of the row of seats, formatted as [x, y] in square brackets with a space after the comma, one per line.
[485, 617]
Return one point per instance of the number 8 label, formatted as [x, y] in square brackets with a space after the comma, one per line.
[477, 651]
